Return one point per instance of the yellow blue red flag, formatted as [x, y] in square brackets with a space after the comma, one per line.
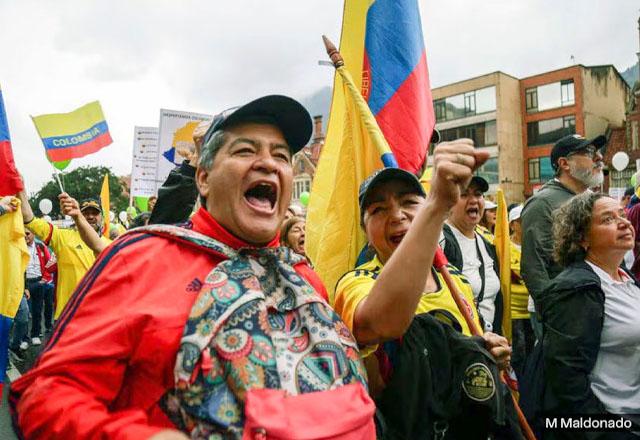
[383, 51]
[14, 257]
[502, 243]
[106, 205]
[76, 134]
[10, 181]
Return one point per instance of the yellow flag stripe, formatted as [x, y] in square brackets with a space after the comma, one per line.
[503, 249]
[105, 202]
[66, 124]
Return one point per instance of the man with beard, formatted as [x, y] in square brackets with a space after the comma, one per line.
[74, 256]
[578, 167]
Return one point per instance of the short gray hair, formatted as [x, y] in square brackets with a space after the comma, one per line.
[570, 226]
[211, 148]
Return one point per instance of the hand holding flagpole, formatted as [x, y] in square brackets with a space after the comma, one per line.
[378, 140]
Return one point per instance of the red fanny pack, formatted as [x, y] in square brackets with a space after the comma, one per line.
[344, 413]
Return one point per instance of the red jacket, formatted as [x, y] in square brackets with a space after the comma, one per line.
[111, 356]
[44, 256]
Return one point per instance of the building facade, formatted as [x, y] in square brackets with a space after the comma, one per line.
[518, 120]
[486, 109]
[305, 161]
[626, 139]
[584, 100]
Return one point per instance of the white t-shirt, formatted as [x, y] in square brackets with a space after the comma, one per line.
[33, 268]
[615, 378]
[471, 269]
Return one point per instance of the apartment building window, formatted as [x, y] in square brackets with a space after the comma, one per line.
[548, 96]
[531, 96]
[455, 107]
[465, 104]
[440, 107]
[489, 171]
[301, 184]
[620, 179]
[550, 130]
[540, 170]
[567, 94]
[470, 103]
[486, 100]
[482, 134]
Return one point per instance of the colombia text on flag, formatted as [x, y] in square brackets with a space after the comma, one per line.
[10, 182]
[383, 50]
[71, 135]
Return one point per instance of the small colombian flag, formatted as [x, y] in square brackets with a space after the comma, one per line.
[71, 135]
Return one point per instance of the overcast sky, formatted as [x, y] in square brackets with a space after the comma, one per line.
[137, 56]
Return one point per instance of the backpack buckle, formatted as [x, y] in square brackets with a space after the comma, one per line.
[440, 430]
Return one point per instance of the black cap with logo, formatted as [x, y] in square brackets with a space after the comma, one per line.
[572, 143]
[287, 114]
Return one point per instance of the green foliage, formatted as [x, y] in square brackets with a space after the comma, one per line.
[81, 183]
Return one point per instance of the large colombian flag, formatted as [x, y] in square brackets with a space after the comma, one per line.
[10, 182]
[71, 135]
[383, 50]
[14, 257]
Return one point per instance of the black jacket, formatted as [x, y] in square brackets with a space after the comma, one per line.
[176, 196]
[537, 265]
[572, 308]
[454, 255]
[443, 385]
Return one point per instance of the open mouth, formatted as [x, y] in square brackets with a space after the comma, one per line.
[397, 238]
[473, 212]
[262, 196]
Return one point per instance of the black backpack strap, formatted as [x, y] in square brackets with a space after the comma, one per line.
[482, 273]
[451, 248]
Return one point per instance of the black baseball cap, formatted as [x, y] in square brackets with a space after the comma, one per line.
[90, 203]
[572, 143]
[480, 183]
[287, 114]
[385, 175]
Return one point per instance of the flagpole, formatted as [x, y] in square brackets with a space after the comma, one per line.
[378, 140]
[56, 172]
[389, 161]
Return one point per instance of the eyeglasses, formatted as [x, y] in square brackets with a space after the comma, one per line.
[590, 151]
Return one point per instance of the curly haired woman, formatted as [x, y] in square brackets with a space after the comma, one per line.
[591, 342]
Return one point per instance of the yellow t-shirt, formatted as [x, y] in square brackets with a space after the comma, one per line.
[486, 234]
[354, 286]
[519, 292]
[74, 257]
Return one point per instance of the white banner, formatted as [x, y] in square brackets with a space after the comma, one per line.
[145, 159]
[616, 193]
[175, 139]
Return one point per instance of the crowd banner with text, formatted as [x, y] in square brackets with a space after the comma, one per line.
[72, 135]
[175, 140]
[145, 162]
[10, 181]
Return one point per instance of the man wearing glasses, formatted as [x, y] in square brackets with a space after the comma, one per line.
[577, 163]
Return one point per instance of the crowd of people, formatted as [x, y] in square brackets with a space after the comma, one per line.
[207, 320]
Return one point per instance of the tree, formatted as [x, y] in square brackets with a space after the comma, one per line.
[82, 183]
